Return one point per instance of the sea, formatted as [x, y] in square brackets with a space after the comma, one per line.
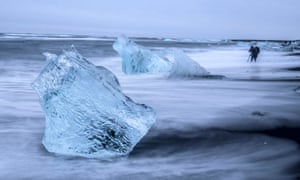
[242, 126]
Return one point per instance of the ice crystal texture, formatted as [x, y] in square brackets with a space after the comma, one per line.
[86, 112]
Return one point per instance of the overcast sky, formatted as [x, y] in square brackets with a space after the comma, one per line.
[205, 19]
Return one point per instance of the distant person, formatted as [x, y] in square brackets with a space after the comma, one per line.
[254, 51]
[251, 50]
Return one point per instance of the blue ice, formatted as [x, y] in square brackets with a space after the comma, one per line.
[137, 59]
[86, 112]
[185, 67]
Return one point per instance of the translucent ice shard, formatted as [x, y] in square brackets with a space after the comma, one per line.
[138, 59]
[86, 112]
[185, 67]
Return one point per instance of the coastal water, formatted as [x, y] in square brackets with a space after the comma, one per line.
[206, 128]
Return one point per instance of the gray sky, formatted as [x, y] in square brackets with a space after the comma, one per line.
[205, 19]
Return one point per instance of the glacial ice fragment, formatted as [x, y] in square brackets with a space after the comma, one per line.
[185, 67]
[86, 112]
[138, 59]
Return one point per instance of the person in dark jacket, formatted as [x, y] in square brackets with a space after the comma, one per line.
[251, 50]
[254, 51]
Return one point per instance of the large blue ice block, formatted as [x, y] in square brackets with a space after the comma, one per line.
[86, 112]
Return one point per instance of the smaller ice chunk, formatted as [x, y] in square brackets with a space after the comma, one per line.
[86, 112]
[185, 67]
[138, 59]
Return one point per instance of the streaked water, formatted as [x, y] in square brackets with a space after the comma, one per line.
[203, 126]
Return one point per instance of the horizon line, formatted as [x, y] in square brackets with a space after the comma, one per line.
[150, 37]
